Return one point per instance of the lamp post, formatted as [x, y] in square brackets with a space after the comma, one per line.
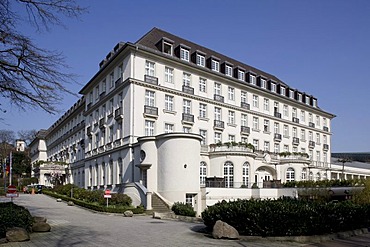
[343, 161]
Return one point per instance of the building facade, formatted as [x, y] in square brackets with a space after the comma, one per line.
[169, 117]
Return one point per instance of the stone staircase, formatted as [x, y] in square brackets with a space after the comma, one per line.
[159, 205]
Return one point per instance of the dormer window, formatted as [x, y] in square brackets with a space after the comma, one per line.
[291, 93]
[167, 48]
[273, 87]
[263, 83]
[299, 97]
[215, 65]
[314, 103]
[184, 54]
[307, 100]
[252, 79]
[241, 75]
[201, 60]
[282, 91]
[228, 70]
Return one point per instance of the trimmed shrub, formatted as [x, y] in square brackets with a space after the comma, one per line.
[12, 215]
[180, 208]
[288, 217]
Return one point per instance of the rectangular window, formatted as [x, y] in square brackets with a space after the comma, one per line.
[241, 75]
[282, 91]
[184, 54]
[294, 112]
[317, 120]
[168, 102]
[228, 70]
[318, 138]
[111, 79]
[266, 104]
[186, 106]
[149, 68]
[149, 98]
[291, 94]
[325, 139]
[202, 110]
[255, 123]
[149, 128]
[244, 120]
[202, 85]
[266, 126]
[104, 86]
[294, 132]
[231, 138]
[231, 117]
[186, 79]
[167, 48]
[243, 97]
[97, 95]
[286, 148]
[310, 136]
[255, 101]
[120, 71]
[276, 148]
[252, 79]
[276, 128]
[200, 60]
[286, 131]
[218, 138]
[303, 135]
[168, 74]
[231, 93]
[215, 65]
[217, 113]
[303, 116]
[217, 88]
[307, 100]
[168, 128]
[203, 134]
[256, 144]
[266, 146]
[110, 134]
[263, 83]
[186, 129]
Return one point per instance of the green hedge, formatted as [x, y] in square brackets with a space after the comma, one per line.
[325, 183]
[12, 215]
[96, 207]
[288, 217]
[180, 208]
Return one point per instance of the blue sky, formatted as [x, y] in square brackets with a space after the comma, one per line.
[319, 47]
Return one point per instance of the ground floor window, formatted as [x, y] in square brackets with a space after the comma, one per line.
[229, 174]
[290, 174]
[246, 174]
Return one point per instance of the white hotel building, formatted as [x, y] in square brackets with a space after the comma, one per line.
[152, 119]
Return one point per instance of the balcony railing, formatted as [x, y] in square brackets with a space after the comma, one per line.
[101, 122]
[311, 124]
[277, 137]
[88, 131]
[118, 81]
[245, 130]
[150, 110]
[186, 117]
[311, 144]
[295, 120]
[151, 79]
[118, 113]
[218, 98]
[326, 128]
[326, 147]
[295, 140]
[277, 114]
[187, 89]
[218, 124]
[245, 105]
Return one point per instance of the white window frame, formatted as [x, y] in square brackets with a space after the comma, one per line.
[217, 88]
[149, 68]
[168, 128]
[215, 65]
[241, 75]
[168, 75]
[218, 113]
[149, 128]
[252, 79]
[202, 85]
[184, 54]
[186, 79]
[186, 106]
[231, 93]
[168, 102]
[228, 70]
[231, 117]
[201, 60]
[255, 101]
[149, 98]
[202, 110]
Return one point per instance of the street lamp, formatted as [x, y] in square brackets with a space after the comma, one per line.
[343, 161]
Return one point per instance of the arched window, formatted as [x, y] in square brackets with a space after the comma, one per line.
[310, 176]
[318, 176]
[325, 176]
[202, 173]
[229, 174]
[304, 174]
[290, 174]
[246, 174]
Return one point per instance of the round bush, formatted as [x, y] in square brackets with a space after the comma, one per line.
[180, 208]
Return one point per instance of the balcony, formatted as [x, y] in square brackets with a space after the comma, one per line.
[326, 128]
[277, 137]
[217, 124]
[188, 118]
[295, 141]
[118, 81]
[311, 144]
[311, 124]
[151, 79]
[118, 114]
[293, 158]
[218, 98]
[326, 147]
[101, 123]
[245, 130]
[277, 114]
[295, 120]
[88, 131]
[187, 89]
[150, 111]
[245, 105]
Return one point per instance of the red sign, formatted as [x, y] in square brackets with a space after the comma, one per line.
[12, 189]
[107, 192]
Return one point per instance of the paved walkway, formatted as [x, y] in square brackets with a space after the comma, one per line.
[74, 226]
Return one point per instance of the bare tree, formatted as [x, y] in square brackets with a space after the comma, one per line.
[27, 135]
[31, 76]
